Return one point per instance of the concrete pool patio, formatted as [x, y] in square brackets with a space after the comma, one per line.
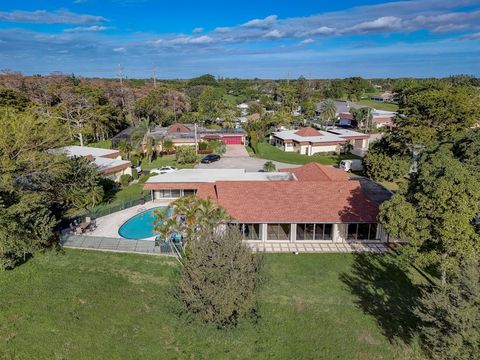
[106, 238]
[108, 226]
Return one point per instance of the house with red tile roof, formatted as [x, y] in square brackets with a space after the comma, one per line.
[305, 204]
[309, 141]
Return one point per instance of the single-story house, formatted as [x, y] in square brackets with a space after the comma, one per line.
[387, 96]
[309, 141]
[109, 162]
[342, 106]
[306, 204]
[184, 134]
[381, 118]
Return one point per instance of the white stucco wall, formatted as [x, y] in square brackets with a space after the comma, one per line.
[320, 149]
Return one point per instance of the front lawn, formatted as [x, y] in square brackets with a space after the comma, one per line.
[166, 160]
[94, 305]
[379, 105]
[270, 152]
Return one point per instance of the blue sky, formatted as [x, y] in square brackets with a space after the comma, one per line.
[263, 38]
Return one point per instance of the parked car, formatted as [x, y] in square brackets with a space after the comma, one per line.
[210, 158]
[163, 170]
[351, 165]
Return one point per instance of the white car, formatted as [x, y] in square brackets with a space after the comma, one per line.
[163, 170]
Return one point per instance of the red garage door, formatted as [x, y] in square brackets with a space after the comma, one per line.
[233, 140]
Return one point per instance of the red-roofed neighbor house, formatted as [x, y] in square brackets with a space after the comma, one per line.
[310, 203]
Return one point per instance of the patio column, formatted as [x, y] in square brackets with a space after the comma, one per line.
[293, 232]
[339, 232]
[263, 232]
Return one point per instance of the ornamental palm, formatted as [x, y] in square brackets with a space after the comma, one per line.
[328, 110]
[190, 217]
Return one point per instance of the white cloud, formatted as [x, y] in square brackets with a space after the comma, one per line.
[93, 28]
[322, 30]
[474, 36]
[119, 49]
[274, 34]
[198, 30]
[307, 41]
[384, 23]
[47, 17]
[184, 40]
[262, 23]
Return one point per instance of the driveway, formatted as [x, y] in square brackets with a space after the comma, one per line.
[236, 157]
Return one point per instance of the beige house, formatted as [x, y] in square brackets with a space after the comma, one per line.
[309, 141]
[308, 204]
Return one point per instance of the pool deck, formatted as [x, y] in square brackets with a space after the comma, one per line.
[107, 226]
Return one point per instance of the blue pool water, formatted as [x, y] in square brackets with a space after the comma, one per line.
[140, 226]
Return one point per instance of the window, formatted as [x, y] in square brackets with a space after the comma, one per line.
[188, 192]
[250, 231]
[362, 232]
[278, 232]
[307, 232]
[175, 193]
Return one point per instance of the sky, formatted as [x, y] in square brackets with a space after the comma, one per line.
[245, 39]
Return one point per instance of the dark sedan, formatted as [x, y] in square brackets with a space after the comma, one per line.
[210, 158]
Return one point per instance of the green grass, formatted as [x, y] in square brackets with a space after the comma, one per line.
[105, 144]
[94, 305]
[379, 105]
[270, 152]
[132, 191]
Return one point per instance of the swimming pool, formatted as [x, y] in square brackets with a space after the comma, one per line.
[139, 226]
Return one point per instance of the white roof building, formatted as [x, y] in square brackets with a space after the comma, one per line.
[213, 175]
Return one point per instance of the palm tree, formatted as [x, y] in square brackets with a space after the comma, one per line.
[328, 111]
[168, 145]
[125, 147]
[190, 217]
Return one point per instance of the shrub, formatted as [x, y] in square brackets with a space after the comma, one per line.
[125, 180]
[186, 155]
[269, 167]
[219, 278]
[203, 146]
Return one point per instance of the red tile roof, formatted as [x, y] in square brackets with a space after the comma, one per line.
[308, 131]
[346, 116]
[293, 201]
[321, 194]
[178, 129]
[315, 172]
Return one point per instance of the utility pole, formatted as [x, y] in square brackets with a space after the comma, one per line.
[196, 142]
[120, 76]
[154, 73]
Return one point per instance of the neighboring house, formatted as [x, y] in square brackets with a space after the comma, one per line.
[381, 118]
[243, 107]
[109, 162]
[343, 107]
[309, 141]
[184, 134]
[383, 97]
[306, 204]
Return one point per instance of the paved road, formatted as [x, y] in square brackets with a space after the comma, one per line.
[236, 157]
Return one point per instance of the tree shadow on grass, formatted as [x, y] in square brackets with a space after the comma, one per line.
[384, 290]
